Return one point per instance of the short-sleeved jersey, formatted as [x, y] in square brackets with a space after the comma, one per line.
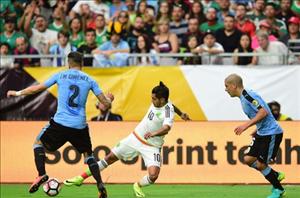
[251, 103]
[154, 120]
[73, 88]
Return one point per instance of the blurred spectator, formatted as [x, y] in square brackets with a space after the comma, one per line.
[144, 45]
[88, 46]
[243, 47]
[40, 36]
[116, 7]
[101, 30]
[293, 34]
[4, 61]
[113, 52]
[285, 11]
[45, 8]
[87, 17]
[164, 11]
[136, 30]
[209, 4]
[248, 4]
[123, 18]
[272, 53]
[30, 9]
[7, 9]
[193, 30]
[10, 34]
[242, 22]
[149, 20]
[212, 23]
[96, 6]
[210, 49]
[278, 27]
[296, 8]
[62, 48]
[263, 26]
[76, 31]
[257, 13]
[197, 12]
[229, 36]
[178, 25]
[275, 108]
[23, 48]
[141, 8]
[106, 114]
[130, 4]
[224, 10]
[58, 20]
[165, 42]
[192, 43]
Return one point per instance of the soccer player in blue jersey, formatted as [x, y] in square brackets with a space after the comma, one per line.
[69, 122]
[268, 135]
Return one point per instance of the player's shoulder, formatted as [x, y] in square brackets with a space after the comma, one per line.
[250, 95]
[169, 105]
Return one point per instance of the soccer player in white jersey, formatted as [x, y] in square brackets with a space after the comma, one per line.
[146, 140]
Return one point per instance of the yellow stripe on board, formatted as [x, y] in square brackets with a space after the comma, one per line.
[132, 88]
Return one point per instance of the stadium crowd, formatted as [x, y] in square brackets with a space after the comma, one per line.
[109, 31]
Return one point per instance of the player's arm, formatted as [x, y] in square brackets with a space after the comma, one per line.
[160, 132]
[106, 100]
[183, 115]
[27, 91]
[261, 114]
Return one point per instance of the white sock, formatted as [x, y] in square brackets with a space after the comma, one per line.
[145, 181]
[102, 164]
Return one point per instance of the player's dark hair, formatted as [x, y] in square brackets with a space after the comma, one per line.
[274, 103]
[161, 91]
[76, 57]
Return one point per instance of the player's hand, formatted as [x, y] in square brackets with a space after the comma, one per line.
[148, 135]
[253, 133]
[185, 116]
[110, 96]
[11, 93]
[240, 129]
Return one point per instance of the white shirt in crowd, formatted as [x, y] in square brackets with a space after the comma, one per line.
[39, 40]
[275, 54]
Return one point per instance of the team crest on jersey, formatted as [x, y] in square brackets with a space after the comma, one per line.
[255, 103]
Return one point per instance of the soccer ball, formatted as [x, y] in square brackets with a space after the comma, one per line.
[52, 187]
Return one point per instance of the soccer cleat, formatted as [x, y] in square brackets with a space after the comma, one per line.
[280, 177]
[37, 182]
[276, 193]
[102, 191]
[75, 181]
[138, 190]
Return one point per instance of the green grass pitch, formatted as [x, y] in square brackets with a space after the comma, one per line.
[155, 191]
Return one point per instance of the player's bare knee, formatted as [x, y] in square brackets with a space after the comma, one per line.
[153, 177]
[261, 166]
[111, 158]
[249, 160]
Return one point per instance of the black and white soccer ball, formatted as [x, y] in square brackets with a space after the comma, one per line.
[52, 187]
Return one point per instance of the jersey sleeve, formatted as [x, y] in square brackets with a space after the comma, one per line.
[169, 115]
[255, 102]
[95, 88]
[52, 80]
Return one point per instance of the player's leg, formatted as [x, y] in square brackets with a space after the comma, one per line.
[261, 152]
[120, 151]
[51, 139]
[152, 159]
[81, 140]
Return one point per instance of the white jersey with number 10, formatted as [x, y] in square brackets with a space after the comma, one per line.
[154, 120]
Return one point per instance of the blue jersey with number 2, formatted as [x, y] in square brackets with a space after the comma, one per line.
[73, 89]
